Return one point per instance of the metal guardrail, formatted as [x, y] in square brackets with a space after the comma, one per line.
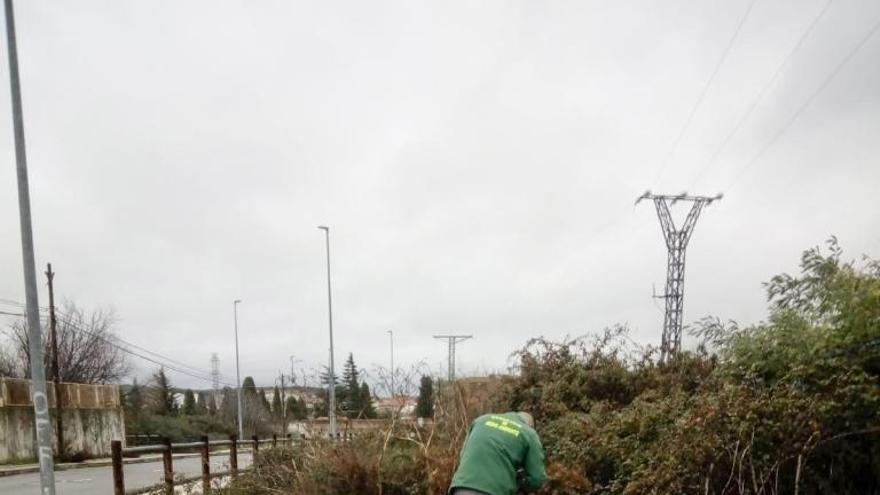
[167, 449]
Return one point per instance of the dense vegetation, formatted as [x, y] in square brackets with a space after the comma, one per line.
[789, 405]
[786, 406]
[152, 409]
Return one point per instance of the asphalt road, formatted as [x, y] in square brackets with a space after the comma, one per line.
[99, 480]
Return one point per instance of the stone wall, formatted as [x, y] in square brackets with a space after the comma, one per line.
[91, 416]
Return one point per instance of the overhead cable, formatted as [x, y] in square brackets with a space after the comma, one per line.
[830, 77]
[684, 128]
[761, 94]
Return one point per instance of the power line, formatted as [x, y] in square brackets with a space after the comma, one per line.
[69, 321]
[192, 371]
[121, 344]
[147, 358]
[693, 112]
[761, 94]
[806, 103]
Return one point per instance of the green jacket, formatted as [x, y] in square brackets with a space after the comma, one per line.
[497, 446]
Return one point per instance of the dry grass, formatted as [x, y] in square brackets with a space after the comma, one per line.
[401, 458]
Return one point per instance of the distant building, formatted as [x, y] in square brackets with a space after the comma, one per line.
[309, 395]
[402, 404]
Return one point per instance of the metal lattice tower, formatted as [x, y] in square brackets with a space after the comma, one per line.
[676, 244]
[215, 377]
[452, 340]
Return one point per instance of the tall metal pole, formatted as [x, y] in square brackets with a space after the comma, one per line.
[452, 362]
[237, 370]
[391, 335]
[332, 406]
[35, 339]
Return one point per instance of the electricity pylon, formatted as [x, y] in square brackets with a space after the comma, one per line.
[452, 340]
[676, 243]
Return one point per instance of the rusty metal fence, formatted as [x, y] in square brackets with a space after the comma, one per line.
[167, 449]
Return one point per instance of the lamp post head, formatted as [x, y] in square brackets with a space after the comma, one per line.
[236, 301]
[324, 227]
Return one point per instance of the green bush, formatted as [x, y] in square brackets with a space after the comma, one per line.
[182, 428]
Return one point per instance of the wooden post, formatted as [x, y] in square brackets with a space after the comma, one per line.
[168, 466]
[116, 454]
[274, 440]
[56, 374]
[256, 449]
[233, 455]
[206, 465]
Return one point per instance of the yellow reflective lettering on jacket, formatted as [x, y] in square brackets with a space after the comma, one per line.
[503, 426]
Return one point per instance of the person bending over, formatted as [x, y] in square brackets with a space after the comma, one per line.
[501, 455]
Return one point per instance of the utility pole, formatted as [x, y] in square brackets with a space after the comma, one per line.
[331, 413]
[56, 373]
[42, 422]
[676, 244]
[451, 341]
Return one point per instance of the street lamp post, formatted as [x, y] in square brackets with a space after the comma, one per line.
[332, 385]
[238, 371]
[43, 433]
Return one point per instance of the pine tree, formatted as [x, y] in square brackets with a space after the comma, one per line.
[351, 402]
[202, 403]
[248, 387]
[302, 408]
[296, 408]
[135, 400]
[425, 403]
[325, 377]
[211, 406]
[228, 406]
[163, 395]
[189, 403]
[366, 399]
[322, 408]
[276, 403]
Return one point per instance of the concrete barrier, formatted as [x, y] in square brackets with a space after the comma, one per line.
[91, 416]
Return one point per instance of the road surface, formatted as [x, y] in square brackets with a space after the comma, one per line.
[99, 480]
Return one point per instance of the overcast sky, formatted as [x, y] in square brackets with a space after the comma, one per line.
[477, 163]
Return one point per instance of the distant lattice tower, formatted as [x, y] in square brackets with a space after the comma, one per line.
[451, 340]
[215, 377]
[676, 244]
